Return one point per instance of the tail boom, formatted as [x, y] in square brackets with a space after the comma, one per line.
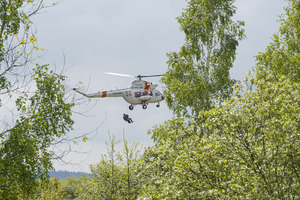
[112, 93]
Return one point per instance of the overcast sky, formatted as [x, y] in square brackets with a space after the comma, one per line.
[131, 37]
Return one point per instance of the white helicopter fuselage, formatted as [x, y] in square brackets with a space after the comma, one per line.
[137, 96]
[140, 92]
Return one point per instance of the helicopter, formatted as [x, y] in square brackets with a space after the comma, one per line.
[140, 92]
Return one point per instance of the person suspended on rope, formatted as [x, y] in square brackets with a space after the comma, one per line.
[127, 118]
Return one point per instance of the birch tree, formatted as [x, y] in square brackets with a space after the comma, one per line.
[198, 74]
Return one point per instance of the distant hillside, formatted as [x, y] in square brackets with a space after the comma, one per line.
[65, 174]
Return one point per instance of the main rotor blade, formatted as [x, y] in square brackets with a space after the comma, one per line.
[156, 75]
[117, 74]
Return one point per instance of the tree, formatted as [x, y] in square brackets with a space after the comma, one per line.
[71, 186]
[108, 173]
[24, 147]
[198, 74]
[170, 138]
[282, 56]
[246, 147]
[115, 176]
[261, 130]
[34, 96]
[52, 191]
[250, 153]
[130, 159]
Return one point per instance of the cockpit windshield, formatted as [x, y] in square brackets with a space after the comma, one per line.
[157, 93]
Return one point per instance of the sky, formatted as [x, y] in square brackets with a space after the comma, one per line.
[132, 37]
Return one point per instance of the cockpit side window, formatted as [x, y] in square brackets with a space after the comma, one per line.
[145, 93]
[137, 94]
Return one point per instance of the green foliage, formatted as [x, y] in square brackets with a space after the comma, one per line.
[159, 160]
[115, 176]
[38, 117]
[24, 151]
[12, 17]
[262, 129]
[282, 56]
[198, 75]
[246, 148]
[57, 189]
[17, 41]
[71, 186]
[52, 191]
[4, 86]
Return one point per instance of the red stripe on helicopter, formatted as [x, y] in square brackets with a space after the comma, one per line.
[104, 94]
[147, 85]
